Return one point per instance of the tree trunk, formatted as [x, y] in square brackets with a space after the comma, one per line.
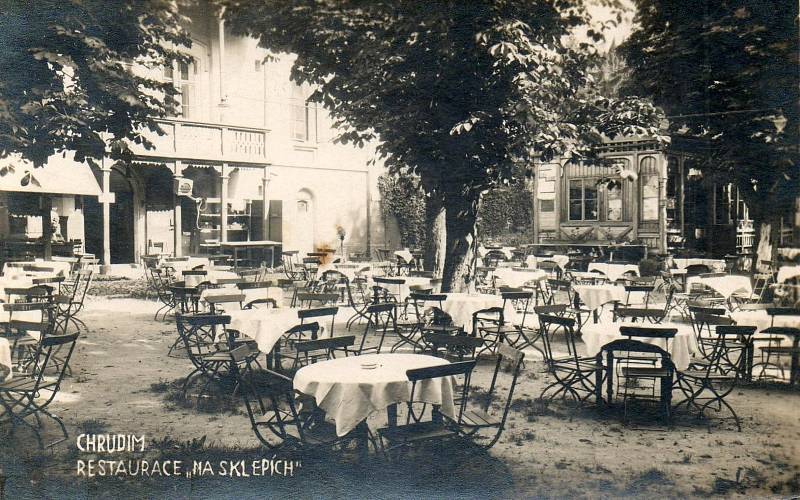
[460, 222]
[766, 243]
[435, 240]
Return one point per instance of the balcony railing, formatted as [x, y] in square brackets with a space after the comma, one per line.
[199, 141]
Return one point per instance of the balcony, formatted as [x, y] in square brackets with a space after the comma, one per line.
[202, 142]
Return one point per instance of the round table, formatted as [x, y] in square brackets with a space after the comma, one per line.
[348, 391]
[724, 285]
[595, 296]
[613, 271]
[5, 360]
[265, 326]
[681, 348]
[460, 307]
[516, 278]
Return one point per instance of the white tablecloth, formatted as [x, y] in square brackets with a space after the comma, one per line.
[560, 260]
[595, 296]
[460, 307]
[185, 265]
[508, 252]
[788, 272]
[716, 265]
[212, 276]
[516, 278]
[762, 320]
[681, 348]
[5, 360]
[724, 285]
[349, 393]
[613, 271]
[265, 326]
[406, 255]
[250, 294]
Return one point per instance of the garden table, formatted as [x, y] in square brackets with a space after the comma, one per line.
[250, 294]
[560, 260]
[265, 326]
[249, 246]
[724, 285]
[681, 348]
[716, 265]
[613, 271]
[350, 389]
[762, 320]
[595, 296]
[212, 276]
[5, 360]
[517, 277]
[460, 306]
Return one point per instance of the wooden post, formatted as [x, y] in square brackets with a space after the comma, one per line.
[265, 202]
[47, 229]
[177, 236]
[106, 171]
[223, 203]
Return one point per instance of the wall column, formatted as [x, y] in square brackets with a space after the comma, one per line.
[106, 201]
[177, 235]
[47, 229]
[223, 203]
[265, 201]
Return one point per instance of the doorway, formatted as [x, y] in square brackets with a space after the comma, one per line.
[121, 221]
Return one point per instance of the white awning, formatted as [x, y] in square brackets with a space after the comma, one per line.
[59, 176]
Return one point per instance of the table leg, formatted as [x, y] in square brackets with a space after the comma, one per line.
[391, 415]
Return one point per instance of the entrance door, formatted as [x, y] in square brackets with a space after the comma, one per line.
[120, 220]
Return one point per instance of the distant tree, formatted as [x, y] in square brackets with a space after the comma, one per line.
[66, 78]
[504, 211]
[727, 73]
[459, 93]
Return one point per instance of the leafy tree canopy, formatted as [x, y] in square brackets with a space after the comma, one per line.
[457, 92]
[726, 71]
[67, 80]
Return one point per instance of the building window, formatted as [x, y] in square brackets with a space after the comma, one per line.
[304, 116]
[547, 205]
[649, 182]
[614, 201]
[582, 199]
[182, 75]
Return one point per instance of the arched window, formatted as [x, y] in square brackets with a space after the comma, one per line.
[649, 183]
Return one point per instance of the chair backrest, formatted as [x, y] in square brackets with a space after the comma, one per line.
[46, 361]
[309, 299]
[548, 325]
[634, 349]
[639, 313]
[325, 348]
[319, 312]
[460, 346]
[648, 332]
[200, 332]
[520, 299]
[195, 272]
[254, 285]
[45, 326]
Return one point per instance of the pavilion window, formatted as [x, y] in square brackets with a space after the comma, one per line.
[649, 182]
[583, 200]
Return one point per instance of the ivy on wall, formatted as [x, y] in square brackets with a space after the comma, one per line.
[505, 211]
[402, 199]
